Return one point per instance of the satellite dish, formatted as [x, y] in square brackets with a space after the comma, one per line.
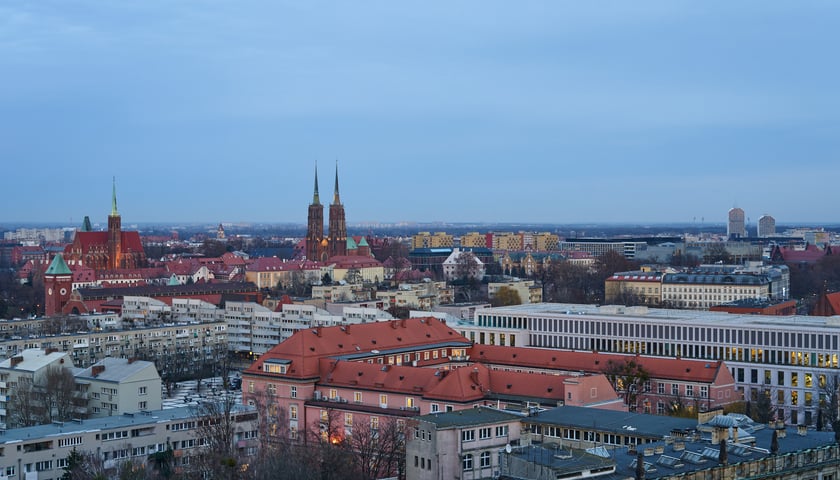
[507, 448]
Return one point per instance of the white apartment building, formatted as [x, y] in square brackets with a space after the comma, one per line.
[526, 289]
[790, 358]
[115, 386]
[40, 452]
[29, 366]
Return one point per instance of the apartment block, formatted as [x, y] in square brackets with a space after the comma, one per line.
[526, 289]
[114, 386]
[429, 240]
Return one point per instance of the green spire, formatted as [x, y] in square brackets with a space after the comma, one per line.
[58, 266]
[315, 198]
[86, 227]
[114, 212]
[336, 200]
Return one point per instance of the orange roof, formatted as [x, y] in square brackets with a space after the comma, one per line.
[658, 367]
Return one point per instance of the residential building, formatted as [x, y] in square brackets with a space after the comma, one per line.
[41, 452]
[429, 240]
[766, 226]
[431, 259]
[273, 272]
[709, 285]
[115, 386]
[736, 226]
[454, 267]
[638, 287]
[461, 444]
[473, 239]
[791, 358]
[599, 246]
[26, 370]
[527, 290]
[418, 296]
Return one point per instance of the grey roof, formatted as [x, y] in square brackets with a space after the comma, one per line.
[116, 369]
[716, 279]
[626, 423]
[34, 359]
[102, 423]
[702, 454]
[561, 460]
[468, 417]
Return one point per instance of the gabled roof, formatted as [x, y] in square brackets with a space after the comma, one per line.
[351, 244]
[305, 347]
[58, 267]
[118, 370]
[354, 261]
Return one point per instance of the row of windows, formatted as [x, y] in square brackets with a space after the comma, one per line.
[483, 461]
[483, 433]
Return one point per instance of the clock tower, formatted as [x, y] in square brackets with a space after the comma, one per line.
[58, 283]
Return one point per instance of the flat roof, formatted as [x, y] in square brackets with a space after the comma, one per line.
[643, 314]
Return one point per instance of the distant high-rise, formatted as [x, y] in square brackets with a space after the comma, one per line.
[736, 227]
[766, 226]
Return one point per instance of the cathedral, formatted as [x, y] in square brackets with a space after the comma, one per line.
[320, 248]
[111, 250]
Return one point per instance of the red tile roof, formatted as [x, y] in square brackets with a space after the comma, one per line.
[658, 367]
[305, 347]
[354, 261]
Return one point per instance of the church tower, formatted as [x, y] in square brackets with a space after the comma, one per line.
[114, 233]
[58, 282]
[338, 227]
[315, 226]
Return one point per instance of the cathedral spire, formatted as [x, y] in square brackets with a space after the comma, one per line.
[114, 212]
[336, 200]
[315, 198]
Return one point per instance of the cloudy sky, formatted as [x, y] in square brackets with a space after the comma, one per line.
[555, 111]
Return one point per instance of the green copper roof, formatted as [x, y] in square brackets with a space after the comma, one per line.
[363, 242]
[114, 212]
[58, 266]
[316, 199]
[173, 280]
[86, 227]
[351, 244]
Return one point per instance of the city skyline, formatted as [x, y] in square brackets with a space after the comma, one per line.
[549, 113]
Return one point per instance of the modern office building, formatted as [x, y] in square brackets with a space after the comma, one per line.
[792, 359]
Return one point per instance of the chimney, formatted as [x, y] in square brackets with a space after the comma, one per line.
[97, 369]
[16, 360]
[49, 350]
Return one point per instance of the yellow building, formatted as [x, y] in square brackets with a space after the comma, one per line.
[428, 240]
[474, 240]
[641, 288]
[507, 241]
[544, 242]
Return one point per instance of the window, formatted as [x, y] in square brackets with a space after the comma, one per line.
[141, 391]
[467, 463]
[660, 388]
[333, 394]
[484, 432]
[502, 431]
[704, 391]
[348, 419]
[675, 389]
[467, 435]
[293, 391]
[450, 408]
[271, 389]
[434, 408]
[689, 391]
[250, 387]
[374, 423]
[660, 408]
[383, 401]
[409, 402]
[293, 412]
[141, 405]
[357, 397]
[484, 460]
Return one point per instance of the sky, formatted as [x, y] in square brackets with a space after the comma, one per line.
[458, 111]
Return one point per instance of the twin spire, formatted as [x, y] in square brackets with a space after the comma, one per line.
[114, 212]
[316, 199]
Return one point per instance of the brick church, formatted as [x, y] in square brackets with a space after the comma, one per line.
[110, 250]
[320, 248]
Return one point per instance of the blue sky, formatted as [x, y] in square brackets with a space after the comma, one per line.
[555, 112]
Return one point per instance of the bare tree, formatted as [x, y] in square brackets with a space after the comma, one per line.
[829, 406]
[26, 406]
[378, 448]
[59, 394]
[216, 426]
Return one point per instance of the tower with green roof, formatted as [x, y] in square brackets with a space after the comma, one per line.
[58, 283]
